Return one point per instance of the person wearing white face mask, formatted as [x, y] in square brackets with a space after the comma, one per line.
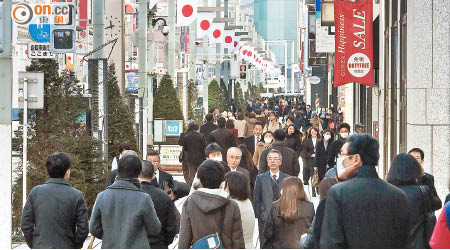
[261, 145]
[379, 210]
[322, 151]
[335, 147]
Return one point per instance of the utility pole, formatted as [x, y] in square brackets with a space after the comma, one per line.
[285, 68]
[5, 122]
[24, 141]
[150, 80]
[99, 23]
[292, 67]
[192, 50]
[218, 15]
[142, 54]
[171, 46]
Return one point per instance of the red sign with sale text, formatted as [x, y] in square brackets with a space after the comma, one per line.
[353, 42]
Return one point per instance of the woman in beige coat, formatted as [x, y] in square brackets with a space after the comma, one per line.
[268, 140]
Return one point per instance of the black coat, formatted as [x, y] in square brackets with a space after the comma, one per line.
[289, 164]
[111, 177]
[321, 157]
[428, 180]
[55, 216]
[417, 215]
[194, 145]
[224, 138]
[308, 147]
[294, 142]
[167, 215]
[335, 149]
[250, 143]
[365, 212]
[206, 130]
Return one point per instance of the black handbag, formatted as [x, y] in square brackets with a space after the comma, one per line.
[429, 217]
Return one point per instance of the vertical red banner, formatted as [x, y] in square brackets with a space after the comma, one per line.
[353, 60]
[83, 12]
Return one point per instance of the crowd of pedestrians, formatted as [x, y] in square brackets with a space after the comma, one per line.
[241, 166]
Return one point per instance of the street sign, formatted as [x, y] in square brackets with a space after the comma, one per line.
[40, 33]
[314, 80]
[39, 51]
[174, 128]
[35, 89]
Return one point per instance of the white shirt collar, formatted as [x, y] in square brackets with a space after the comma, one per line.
[277, 174]
[157, 175]
[233, 170]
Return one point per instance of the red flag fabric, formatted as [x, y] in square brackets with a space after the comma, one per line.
[354, 42]
[186, 12]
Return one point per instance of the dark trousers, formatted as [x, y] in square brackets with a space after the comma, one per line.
[308, 170]
[262, 239]
[192, 171]
[185, 168]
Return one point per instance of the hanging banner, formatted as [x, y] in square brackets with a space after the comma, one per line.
[354, 42]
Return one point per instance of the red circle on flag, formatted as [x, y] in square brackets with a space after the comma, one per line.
[187, 10]
[228, 39]
[235, 43]
[204, 25]
[69, 58]
[26, 52]
[216, 33]
[249, 53]
[127, 66]
[244, 52]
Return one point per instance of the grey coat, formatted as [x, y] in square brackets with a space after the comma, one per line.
[124, 217]
[263, 194]
[55, 216]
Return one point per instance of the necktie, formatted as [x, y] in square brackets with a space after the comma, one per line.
[275, 188]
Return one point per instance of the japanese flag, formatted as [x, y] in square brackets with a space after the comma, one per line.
[69, 61]
[216, 35]
[186, 12]
[228, 40]
[236, 43]
[204, 23]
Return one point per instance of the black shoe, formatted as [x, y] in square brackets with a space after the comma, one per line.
[313, 192]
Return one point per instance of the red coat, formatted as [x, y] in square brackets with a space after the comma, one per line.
[441, 234]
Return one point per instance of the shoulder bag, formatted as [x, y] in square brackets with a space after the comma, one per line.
[212, 241]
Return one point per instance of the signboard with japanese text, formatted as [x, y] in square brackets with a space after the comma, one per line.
[39, 51]
[169, 154]
[354, 42]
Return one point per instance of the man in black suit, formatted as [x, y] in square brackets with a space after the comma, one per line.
[427, 179]
[164, 206]
[253, 140]
[267, 190]
[208, 127]
[164, 180]
[223, 137]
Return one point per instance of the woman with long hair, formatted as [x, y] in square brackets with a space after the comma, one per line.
[405, 173]
[247, 163]
[237, 186]
[290, 217]
[230, 126]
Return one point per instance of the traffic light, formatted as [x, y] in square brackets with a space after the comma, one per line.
[63, 30]
[243, 71]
